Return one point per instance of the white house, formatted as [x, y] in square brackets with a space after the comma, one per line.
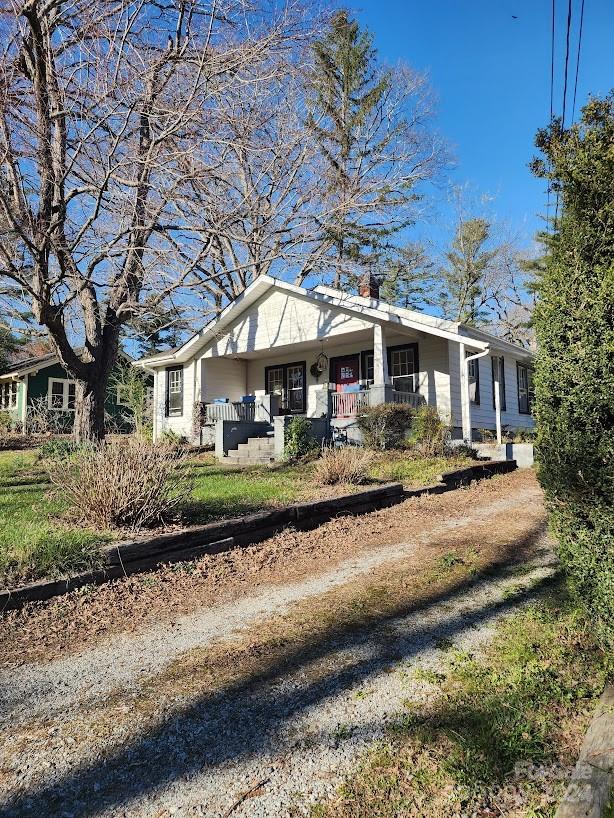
[280, 350]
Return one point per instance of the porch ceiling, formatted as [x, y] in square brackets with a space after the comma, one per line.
[362, 338]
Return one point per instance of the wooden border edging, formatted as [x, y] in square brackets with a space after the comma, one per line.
[589, 791]
[134, 556]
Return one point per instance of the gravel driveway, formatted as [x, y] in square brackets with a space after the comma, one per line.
[197, 716]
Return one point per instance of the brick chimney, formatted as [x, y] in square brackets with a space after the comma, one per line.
[368, 286]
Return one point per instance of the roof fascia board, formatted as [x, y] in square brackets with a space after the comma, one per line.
[27, 370]
[497, 343]
[251, 293]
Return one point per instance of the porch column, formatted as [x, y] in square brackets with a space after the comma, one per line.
[24, 405]
[497, 388]
[381, 391]
[464, 389]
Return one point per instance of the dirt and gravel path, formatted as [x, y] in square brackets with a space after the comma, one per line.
[256, 706]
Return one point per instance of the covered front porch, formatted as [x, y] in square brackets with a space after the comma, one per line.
[332, 377]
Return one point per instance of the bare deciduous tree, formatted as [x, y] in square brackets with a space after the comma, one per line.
[108, 111]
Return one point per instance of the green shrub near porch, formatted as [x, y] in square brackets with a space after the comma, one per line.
[385, 425]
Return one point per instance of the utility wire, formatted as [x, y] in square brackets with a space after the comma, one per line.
[575, 87]
[552, 62]
[566, 64]
[552, 41]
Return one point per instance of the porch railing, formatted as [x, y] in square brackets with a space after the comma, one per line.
[408, 398]
[349, 404]
[229, 411]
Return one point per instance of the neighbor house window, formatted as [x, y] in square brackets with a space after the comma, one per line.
[473, 372]
[8, 395]
[174, 391]
[524, 375]
[498, 360]
[61, 395]
[123, 395]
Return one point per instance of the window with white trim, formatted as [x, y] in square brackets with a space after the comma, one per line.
[369, 373]
[8, 395]
[473, 374]
[524, 375]
[174, 391]
[401, 367]
[61, 395]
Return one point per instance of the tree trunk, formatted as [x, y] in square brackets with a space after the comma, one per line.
[89, 409]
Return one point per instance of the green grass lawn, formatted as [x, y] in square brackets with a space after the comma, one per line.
[414, 472]
[37, 538]
[220, 491]
[34, 540]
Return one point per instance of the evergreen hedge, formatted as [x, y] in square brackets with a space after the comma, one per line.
[574, 378]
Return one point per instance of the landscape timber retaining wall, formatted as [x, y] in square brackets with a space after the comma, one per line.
[130, 557]
[134, 556]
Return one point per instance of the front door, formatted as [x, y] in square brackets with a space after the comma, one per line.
[347, 372]
[287, 381]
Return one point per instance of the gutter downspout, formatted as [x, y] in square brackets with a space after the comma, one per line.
[467, 396]
[497, 388]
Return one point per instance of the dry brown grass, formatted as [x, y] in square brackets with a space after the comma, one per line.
[125, 484]
[347, 465]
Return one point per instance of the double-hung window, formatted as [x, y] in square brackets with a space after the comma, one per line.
[174, 391]
[61, 395]
[402, 368]
[368, 373]
[498, 368]
[524, 376]
[473, 372]
[8, 395]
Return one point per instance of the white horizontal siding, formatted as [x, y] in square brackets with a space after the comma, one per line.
[434, 376]
[483, 414]
[223, 378]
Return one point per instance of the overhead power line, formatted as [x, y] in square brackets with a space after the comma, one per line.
[575, 87]
[552, 62]
[552, 41]
[566, 63]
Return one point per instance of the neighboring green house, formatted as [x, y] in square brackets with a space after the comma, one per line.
[42, 383]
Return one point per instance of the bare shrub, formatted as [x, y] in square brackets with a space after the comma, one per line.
[123, 484]
[346, 465]
[41, 420]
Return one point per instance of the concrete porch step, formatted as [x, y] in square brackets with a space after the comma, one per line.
[234, 460]
[257, 445]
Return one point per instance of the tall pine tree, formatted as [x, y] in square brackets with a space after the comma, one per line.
[463, 278]
[370, 126]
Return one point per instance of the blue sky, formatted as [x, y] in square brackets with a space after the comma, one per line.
[491, 75]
